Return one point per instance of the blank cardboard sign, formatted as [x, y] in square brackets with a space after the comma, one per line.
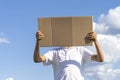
[65, 31]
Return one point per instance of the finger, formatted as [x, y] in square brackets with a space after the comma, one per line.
[39, 33]
[90, 32]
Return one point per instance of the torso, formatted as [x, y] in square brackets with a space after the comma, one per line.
[67, 62]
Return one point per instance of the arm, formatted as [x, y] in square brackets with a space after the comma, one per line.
[99, 56]
[37, 56]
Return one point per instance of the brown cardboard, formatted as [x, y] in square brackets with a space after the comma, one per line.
[65, 31]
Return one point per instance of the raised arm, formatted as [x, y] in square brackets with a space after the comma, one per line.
[37, 56]
[99, 56]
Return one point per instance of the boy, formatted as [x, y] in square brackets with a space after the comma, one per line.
[67, 61]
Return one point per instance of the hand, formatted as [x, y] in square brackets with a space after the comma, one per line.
[91, 37]
[39, 35]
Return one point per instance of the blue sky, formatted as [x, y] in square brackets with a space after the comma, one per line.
[18, 25]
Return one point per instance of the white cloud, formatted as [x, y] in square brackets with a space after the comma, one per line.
[9, 78]
[108, 21]
[109, 74]
[105, 71]
[112, 18]
[108, 70]
[100, 27]
[111, 45]
[3, 39]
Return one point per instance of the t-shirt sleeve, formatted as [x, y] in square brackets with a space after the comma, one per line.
[49, 57]
[87, 54]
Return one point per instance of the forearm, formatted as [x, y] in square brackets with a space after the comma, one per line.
[100, 55]
[37, 56]
[36, 52]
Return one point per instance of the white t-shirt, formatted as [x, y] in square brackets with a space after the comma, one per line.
[67, 62]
